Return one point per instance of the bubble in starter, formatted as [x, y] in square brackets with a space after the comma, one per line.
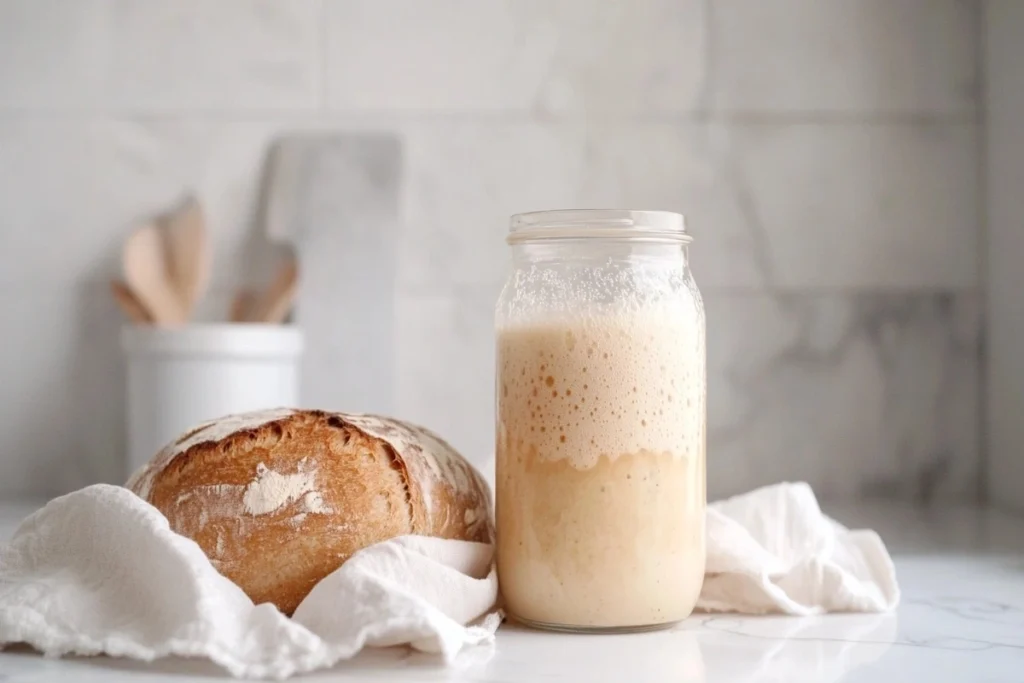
[632, 391]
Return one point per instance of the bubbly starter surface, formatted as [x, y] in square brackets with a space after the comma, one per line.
[600, 468]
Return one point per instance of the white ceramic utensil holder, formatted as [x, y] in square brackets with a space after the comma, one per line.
[179, 377]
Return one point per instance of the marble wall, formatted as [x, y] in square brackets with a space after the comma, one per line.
[827, 156]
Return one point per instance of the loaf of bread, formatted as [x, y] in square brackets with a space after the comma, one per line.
[279, 499]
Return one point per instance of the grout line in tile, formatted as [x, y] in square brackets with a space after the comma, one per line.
[327, 115]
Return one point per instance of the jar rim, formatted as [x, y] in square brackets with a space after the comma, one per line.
[618, 224]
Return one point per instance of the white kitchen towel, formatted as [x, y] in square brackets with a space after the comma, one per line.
[773, 550]
[100, 571]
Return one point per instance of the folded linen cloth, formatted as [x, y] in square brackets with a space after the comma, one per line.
[773, 550]
[100, 571]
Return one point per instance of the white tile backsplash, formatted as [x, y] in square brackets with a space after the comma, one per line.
[623, 56]
[858, 394]
[866, 206]
[786, 205]
[48, 225]
[66, 69]
[845, 57]
[62, 413]
[826, 155]
[229, 55]
[803, 205]
[463, 182]
[184, 56]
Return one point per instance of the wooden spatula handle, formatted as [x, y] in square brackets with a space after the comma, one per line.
[277, 301]
[242, 306]
[145, 270]
[188, 253]
[129, 304]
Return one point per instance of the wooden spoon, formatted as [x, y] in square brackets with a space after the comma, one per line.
[188, 253]
[146, 272]
[276, 302]
[241, 305]
[129, 304]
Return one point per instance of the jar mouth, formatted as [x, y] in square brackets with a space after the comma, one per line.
[610, 224]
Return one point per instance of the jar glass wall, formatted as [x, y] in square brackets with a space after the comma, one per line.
[601, 395]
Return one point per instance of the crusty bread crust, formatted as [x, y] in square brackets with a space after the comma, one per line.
[279, 499]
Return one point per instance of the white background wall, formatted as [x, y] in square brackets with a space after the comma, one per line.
[827, 155]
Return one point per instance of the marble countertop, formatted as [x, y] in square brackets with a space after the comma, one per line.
[961, 571]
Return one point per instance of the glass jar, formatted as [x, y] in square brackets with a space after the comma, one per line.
[601, 419]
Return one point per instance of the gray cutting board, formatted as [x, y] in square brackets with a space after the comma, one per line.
[335, 198]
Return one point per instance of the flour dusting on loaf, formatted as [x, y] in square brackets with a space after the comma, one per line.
[270, 491]
[278, 499]
[219, 491]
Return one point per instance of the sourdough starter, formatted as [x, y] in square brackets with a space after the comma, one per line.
[600, 468]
